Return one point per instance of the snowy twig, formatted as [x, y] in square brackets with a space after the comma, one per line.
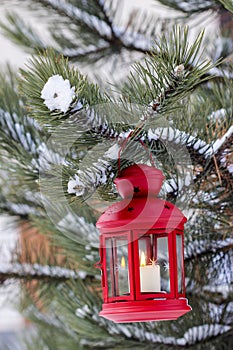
[219, 143]
[37, 271]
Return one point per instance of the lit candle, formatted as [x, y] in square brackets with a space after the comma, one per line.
[123, 264]
[149, 276]
[123, 277]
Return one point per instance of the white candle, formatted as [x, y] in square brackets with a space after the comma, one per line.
[150, 278]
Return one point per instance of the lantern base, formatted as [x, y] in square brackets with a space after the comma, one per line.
[146, 310]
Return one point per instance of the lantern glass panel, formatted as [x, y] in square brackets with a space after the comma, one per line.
[117, 266]
[179, 254]
[163, 261]
[154, 264]
[109, 264]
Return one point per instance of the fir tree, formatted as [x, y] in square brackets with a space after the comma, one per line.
[61, 135]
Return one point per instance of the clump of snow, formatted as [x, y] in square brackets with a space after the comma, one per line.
[218, 114]
[83, 311]
[76, 186]
[57, 93]
[82, 274]
[230, 168]
[179, 70]
[112, 152]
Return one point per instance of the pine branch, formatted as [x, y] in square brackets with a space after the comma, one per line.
[100, 23]
[78, 238]
[21, 33]
[27, 271]
[89, 21]
[213, 248]
[227, 4]
[159, 81]
[167, 78]
[190, 7]
[102, 7]
[103, 162]
[93, 26]
[39, 70]
[100, 37]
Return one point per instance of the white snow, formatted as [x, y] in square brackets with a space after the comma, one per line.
[90, 20]
[129, 38]
[73, 52]
[57, 93]
[170, 186]
[83, 311]
[20, 131]
[75, 185]
[139, 41]
[152, 135]
[21, 209]
[179, 70]
[197, 247]
[191, 336]
[16, 129]
[230, 168]
[173, 134]
[218, 114]
[10, 318]
[181, 137]
[218, 143]
[82, 274]
[112, 152]
[220, 73]
[46, 157]
[8, 239]
[25, 269]
[224, 288]
[202, 332]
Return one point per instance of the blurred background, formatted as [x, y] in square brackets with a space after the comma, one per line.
[110, 67]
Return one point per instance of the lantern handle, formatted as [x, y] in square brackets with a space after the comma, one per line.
[135, 132]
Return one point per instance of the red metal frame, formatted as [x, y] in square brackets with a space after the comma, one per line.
[114, 279]
[145, 310]
[134, 263]
[179, 295]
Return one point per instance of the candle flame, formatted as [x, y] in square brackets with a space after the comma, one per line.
[143, 259]
[123, 264]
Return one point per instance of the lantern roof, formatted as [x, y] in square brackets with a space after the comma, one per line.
[140, 208]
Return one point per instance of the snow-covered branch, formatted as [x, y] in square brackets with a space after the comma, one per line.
[219, 143]
[201, 150]
[75, 13]
[106, 30]
[38, 271]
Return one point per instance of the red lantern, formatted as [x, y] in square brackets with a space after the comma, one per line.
[141, 251]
